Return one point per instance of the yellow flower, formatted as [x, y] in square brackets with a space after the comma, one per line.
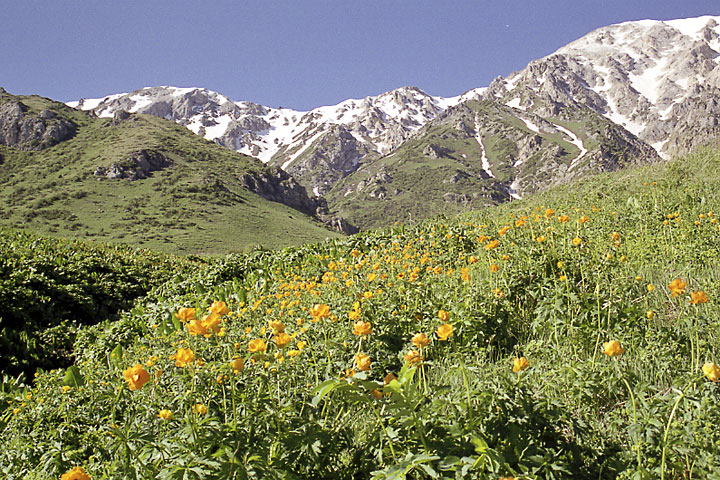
[612, 348]
[549, 212]
[362, 328]
[677, 287]
[199, 408]
[520, 364]
[491, 245]
[136, 376]
[389, 378]
[711, 371]
[503, 230]
[498, 293]
[420, 340]
[650, 287]
[650, 314]
[282, 339]
[219, 308]
[183, 357]
[257, 345]
[362, 362]
[494, 268]
[376, 394]
[577, 241]
[698, 297]
[413, 357]
[237, 365]
[443, 315]
[76, 473]
[66, 388]
[165, 414]
[301, 345]
[444, 332]
[197, 327]
[277, 326]
[563, 219]
[540, 239]
[319, 311]
[472, 259]
[151, 361]
[583, 219]
[186, 314]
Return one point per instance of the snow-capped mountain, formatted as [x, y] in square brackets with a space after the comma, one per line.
[356, 128]
[658, 79]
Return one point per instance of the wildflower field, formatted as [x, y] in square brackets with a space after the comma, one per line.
[573, 334]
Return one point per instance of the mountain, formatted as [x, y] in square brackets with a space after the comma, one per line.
[145, 181]
[659, 80]
[627, 93]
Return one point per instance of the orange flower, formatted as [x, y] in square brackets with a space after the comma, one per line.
[677, 287]
[494, 268]
[136, 376]
[319, 311]
[503, 230]
[698, 297]
[200, 409]
[711, 371]
[491, 244]
[413, 357]
[612, 348]
[520, 364]
[362, 362]
[282, 339]
[444, 331]
[183, 357]
[389, 378]
[186, 314]
[277, 326]
[376, 394]
[443, 315]
[420, 340]
[362, 328]
[197, 327]
[237, 365]
[257, 345]
[76, 473]
[219, 308]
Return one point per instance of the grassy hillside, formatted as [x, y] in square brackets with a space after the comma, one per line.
[570, 335]
[195, 203]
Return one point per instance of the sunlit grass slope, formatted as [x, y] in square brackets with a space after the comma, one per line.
[196, 205]
[572, 335]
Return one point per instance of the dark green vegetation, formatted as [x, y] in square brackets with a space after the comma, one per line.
[173, 190]
[570, 272]
[50, 288]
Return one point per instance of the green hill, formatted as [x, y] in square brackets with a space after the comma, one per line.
[573, 334]
[140, 180]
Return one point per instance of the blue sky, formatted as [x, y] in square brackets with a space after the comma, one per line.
[295, 53]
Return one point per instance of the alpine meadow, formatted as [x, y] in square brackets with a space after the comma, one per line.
[517, 283]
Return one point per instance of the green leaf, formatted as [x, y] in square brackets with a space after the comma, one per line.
[73, 377]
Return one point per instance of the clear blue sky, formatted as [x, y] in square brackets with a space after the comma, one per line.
[294, 53]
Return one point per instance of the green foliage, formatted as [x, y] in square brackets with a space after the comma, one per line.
[284, 383]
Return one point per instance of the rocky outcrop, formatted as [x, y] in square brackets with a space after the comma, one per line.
[278, 186]
[137, 166]
[24, 130]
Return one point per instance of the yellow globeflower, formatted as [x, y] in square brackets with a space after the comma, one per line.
[136, 376]
[219, 308]
[650, 314]
[319, 311]
[677, 287]
[494, 267]
[413, 357]
[650, 287]
[698, 297]
[612, 348]
[362, 328]
[362, 362]
[492, 245]
[277, 326]
[420, 340]
[237, 365]
[76, 473]
[282, 339]
[200, 409]
[444, 331]
[577, 241]
[165, 414]
[711, 371]
[257, 345]
[186, 314]
[183, 357]
[197, 327]
[443, 315]
[520, 364]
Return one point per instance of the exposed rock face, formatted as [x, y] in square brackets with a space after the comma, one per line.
[137, 166]
[278, 186]
[21, 129]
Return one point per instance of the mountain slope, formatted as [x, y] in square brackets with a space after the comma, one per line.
[659, 80]
[146, 181]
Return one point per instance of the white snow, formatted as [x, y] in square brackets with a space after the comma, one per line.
[485, 161]
[530, 125]
[691, 27]
[216, 131]
[316, 191]
[302, 149]
[515, 103]
[658, 147]
[575, 141]
[648, 82]
[513, 190]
